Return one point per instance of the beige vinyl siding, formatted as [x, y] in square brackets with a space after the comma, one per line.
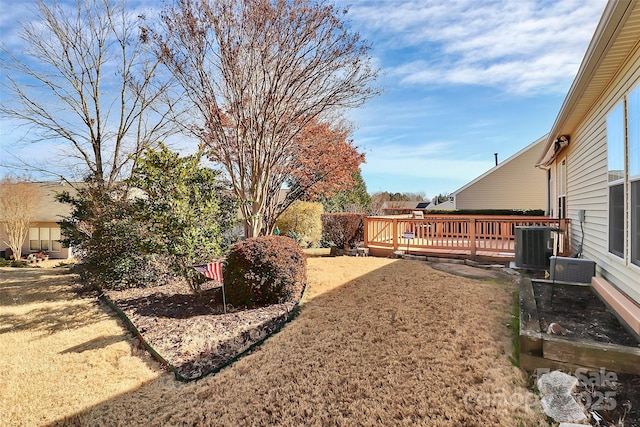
[514, 184]
[46, 214]
[588, 187]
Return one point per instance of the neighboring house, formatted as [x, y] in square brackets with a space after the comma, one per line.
[44, 231]
[443, 206]
[404, 207]
[592, 155]
[512, 184]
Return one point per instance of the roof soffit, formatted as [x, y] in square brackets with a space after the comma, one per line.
[616, 37]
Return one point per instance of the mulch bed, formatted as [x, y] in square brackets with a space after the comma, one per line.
[583, 316]
[580, 312]
[191, 331]
[623, 407]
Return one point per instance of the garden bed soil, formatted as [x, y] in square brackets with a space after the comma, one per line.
[191, 331]
[582, 315]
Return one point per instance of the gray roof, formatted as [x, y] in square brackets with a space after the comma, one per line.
[413, 204]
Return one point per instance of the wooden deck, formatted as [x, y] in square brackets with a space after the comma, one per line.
[484, 237]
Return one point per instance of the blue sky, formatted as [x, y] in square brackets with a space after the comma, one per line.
[461, 80]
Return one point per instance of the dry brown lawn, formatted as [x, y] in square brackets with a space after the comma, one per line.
[60, 352]
[378, 342]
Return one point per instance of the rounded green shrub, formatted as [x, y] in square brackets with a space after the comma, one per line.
[264, 270]
[301, 221]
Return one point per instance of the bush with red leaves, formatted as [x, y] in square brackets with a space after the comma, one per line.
[264, 270]
[342, 229]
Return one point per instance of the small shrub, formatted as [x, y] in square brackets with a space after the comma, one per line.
[301, 221]
[342, 229]
[132, 271]
[264, 270]
[14, 263]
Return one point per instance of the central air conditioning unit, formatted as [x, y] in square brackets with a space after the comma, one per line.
[573, 270]
[534, 246]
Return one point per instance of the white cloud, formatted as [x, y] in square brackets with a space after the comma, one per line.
[424, 161]
[521, 46]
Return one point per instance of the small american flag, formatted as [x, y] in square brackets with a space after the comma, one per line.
[211, 270]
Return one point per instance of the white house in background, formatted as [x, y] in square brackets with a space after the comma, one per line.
[44, 231]
[512, 184]
[592, 155]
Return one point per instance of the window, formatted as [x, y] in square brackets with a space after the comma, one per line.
[44, 239]
[55, 240]
[562, 189]
[635, 222]
[616, 220]
[633, 156]
[623, 159]
[34, 239]
[615, 160]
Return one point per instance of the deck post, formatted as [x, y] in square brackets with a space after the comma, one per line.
[366, 232]
[472, 236]
[395, 234]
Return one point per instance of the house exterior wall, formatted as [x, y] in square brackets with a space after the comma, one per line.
[53, 251]
[587, 183]
[43, 226]
[514, 184]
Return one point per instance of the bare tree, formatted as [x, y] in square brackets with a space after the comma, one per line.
[258, 72]
[88, 81]
[17, 202]
[393, 200]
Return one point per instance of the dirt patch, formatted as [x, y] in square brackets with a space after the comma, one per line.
[470, 271]
[611, 398]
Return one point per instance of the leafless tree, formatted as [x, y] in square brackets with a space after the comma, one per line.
[393, 200]
[88, 82]
[258, 72]
[17, 202]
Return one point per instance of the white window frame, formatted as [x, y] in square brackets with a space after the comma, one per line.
[561, 188]
[632, 156]
[50, 235]
[623, 173]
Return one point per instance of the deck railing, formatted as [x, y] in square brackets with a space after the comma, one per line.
[460, 234]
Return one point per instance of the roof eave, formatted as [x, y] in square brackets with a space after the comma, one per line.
[612, 20]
